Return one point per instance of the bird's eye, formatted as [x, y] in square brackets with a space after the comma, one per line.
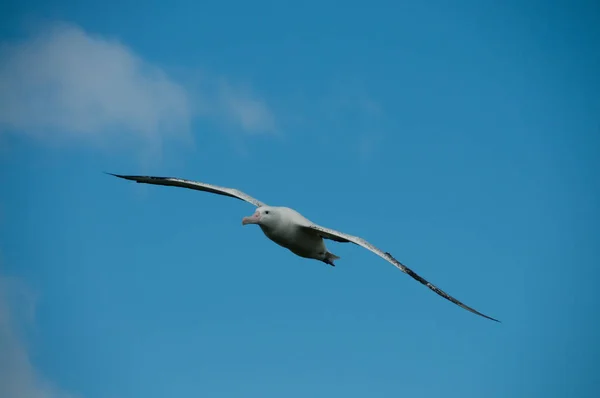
[267, 212]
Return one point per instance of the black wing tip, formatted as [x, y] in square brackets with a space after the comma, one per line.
[422, 280]
[133, 178]
[115, 175]
[490, 318]
[136, 178]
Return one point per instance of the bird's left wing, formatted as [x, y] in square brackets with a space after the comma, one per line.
[199, 186]
[337, 236]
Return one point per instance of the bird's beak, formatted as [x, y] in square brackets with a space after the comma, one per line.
[253, 219]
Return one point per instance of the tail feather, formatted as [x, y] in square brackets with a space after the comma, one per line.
[330, 258]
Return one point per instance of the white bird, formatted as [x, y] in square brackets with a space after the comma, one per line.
[291, 230]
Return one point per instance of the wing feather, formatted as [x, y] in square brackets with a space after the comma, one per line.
[198, 186]
[337, 236]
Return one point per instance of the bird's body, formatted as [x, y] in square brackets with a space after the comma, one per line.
[291, 230]
[287, 228]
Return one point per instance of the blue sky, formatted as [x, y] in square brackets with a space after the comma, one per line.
[463, 139]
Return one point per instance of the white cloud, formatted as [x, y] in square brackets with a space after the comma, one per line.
[252, 114]
[18, 377]
[64, 83]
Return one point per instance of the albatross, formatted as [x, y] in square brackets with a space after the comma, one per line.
[289, 229]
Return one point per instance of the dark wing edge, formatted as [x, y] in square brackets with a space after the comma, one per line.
[198, 186]
[337, 236]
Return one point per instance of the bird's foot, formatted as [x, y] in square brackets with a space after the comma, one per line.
[329, 262]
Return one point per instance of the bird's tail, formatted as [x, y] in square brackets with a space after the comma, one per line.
[330, 258]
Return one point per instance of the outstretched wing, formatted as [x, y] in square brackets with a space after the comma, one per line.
[199, 186]
[327, 233]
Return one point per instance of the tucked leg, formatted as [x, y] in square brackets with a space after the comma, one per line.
[328, 261]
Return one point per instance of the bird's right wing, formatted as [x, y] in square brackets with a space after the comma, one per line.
[199, 186]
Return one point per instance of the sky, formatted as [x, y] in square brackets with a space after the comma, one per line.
[461, 138]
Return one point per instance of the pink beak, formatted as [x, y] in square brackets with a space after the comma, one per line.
[253, 219]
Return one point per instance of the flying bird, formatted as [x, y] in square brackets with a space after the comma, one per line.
[289, 229]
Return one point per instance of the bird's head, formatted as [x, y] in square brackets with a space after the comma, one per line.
[263, 215]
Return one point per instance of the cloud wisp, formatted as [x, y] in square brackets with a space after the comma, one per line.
[18, 377]
[67, 84]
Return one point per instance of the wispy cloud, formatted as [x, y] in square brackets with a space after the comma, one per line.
[18, 377]
[247, 110]
[67, 84]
